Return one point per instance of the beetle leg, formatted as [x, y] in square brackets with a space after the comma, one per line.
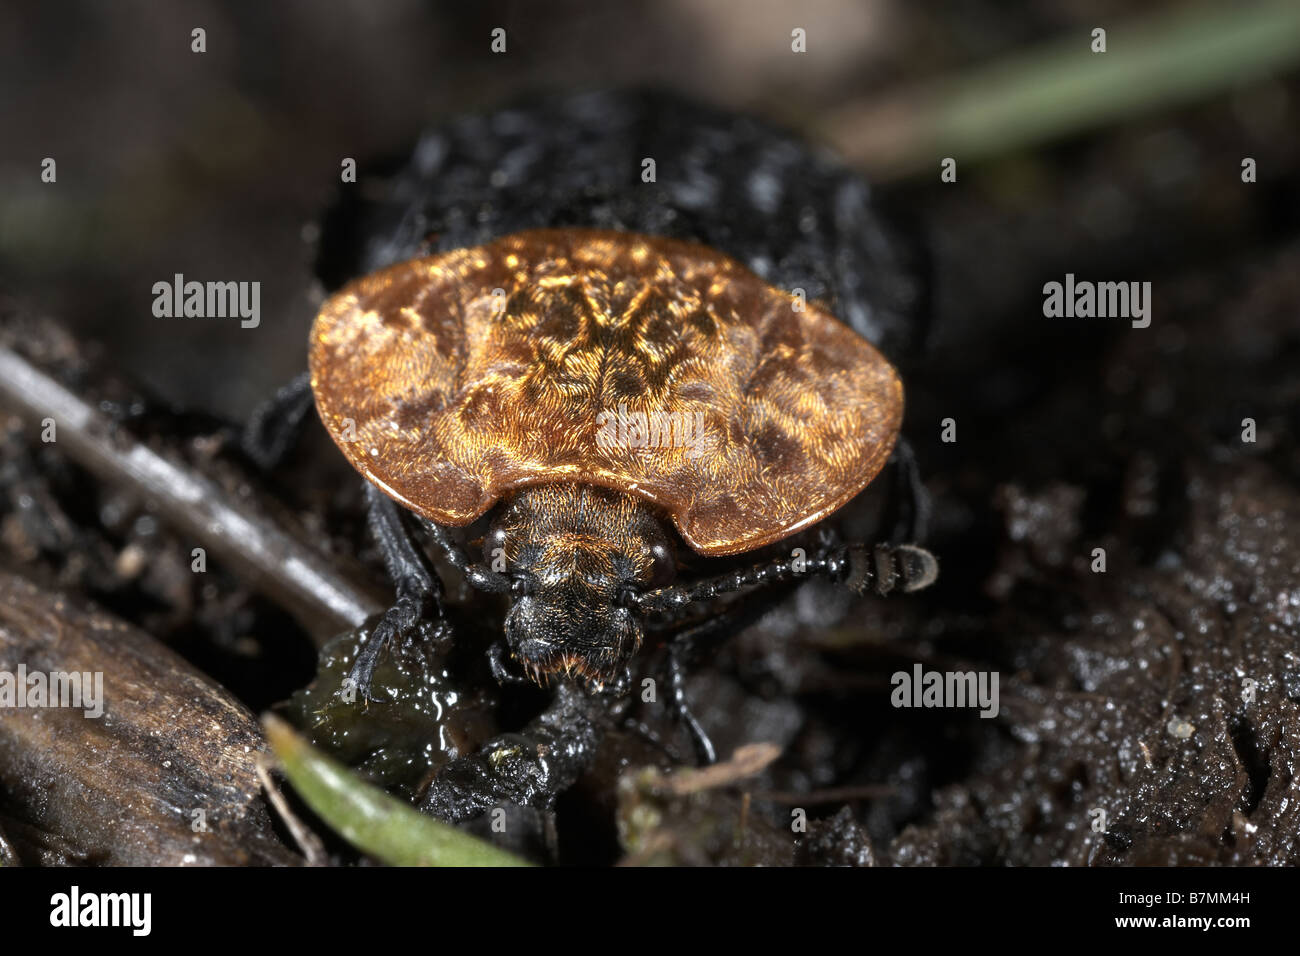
[689, 641]
[276, 424]
[419, 591]
[914, 515]
[501, 672]
[704, 749]
[883, 569]
[476, 575]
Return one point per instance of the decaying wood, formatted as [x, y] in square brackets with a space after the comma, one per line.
[166, 776]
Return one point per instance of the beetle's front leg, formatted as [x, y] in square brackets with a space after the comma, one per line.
[276, 424]
[501, 671]
[476, 575]
[419, 591]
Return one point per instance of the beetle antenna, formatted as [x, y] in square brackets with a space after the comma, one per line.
[882, 569]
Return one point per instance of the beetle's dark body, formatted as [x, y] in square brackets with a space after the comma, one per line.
[794, 215]
[587, 559]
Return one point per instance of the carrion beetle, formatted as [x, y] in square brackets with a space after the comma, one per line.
[482, 379]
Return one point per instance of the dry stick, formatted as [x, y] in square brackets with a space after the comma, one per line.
[125, 789]
[308, 842]
[267, 557]
[745, 762]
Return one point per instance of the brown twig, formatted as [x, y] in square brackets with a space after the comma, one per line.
[308, 842]
[267, 556]
[745, 762]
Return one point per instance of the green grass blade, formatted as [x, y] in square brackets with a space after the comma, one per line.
[1063, 87]
[368, 818]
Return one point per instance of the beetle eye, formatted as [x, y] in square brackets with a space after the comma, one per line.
[664, 568]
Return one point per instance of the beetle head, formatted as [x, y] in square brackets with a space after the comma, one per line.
[577, 556]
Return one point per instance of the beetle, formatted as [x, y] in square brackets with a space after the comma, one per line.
[605, 395]
[588, 544]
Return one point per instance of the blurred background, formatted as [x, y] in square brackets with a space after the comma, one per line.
[219, 164]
